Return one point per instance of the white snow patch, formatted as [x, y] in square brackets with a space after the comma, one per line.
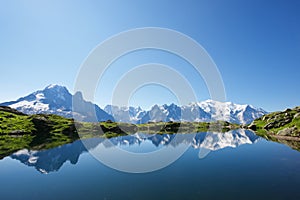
[33, 106]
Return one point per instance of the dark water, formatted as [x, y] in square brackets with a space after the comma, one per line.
[234, 165]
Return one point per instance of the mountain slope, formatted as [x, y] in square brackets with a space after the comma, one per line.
[55, 99]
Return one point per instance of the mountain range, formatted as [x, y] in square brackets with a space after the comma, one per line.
[204, 111]
[56, 99]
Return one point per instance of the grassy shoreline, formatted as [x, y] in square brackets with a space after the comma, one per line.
[282, 127]
[45, 131]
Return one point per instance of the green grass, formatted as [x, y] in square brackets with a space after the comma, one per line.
[10, 122]
[59, 124]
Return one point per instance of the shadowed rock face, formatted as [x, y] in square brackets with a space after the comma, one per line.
[53, 159]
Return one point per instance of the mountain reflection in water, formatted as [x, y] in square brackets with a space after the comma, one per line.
[50, 160]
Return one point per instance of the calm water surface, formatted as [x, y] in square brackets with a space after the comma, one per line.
[233, 165]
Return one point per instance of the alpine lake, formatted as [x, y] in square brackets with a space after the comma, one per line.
[233, 165]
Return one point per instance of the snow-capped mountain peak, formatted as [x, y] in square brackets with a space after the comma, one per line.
[56, 99]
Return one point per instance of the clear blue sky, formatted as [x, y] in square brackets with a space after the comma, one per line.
[255, 44]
